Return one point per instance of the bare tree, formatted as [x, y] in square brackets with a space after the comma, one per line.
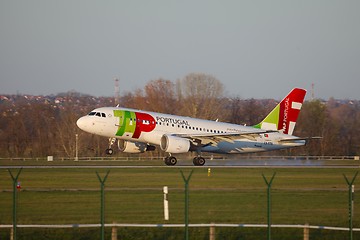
[200, 96]
[347, 116]
[314, 120]
[160, 96]
[38, 126]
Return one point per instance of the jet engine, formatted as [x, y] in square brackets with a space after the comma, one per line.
[172, 144]
[134, 147]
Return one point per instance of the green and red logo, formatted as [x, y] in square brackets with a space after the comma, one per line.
[132, 124]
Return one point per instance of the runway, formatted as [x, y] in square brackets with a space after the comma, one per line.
[251, 163]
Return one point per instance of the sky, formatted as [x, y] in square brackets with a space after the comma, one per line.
[257, 49]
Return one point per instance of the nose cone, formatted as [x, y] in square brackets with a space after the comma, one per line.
[82, 123]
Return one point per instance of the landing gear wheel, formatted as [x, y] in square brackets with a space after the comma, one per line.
[109, 151]
[170, 161]
[199, 161]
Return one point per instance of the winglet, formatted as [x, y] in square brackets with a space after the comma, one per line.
[284, 116]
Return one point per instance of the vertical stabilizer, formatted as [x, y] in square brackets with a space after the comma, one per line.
[284, 116]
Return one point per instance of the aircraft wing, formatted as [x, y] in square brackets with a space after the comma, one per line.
[214, 138]
[297, 139]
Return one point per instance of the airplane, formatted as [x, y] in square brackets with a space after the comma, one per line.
[137, 131]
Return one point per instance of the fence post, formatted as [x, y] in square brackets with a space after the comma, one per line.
[212, 232]
[351, 203]
[114, 233]
[102, 211]
[15, 179]
[186, 181]
[268, 183]
[306, 232]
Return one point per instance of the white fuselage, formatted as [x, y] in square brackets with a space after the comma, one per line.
[149, 127]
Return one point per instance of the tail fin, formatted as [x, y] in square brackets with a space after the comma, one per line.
[283, 117]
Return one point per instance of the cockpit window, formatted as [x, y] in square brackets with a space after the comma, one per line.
[97, 114]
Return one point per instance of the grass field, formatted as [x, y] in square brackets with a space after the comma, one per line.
[230, 195]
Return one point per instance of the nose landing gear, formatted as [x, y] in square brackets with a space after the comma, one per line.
[110, 151]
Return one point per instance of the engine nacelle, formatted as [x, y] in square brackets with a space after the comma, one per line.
[172, 144]
[134, 147]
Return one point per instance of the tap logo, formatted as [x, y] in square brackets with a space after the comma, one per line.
[132, 124]
[285, 116]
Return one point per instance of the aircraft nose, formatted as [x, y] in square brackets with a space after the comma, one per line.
[82, 123]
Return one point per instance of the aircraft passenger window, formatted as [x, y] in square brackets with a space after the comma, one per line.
[103, 115]
[92, 113]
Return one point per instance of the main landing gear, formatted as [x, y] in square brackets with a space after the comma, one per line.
[171, 161]
[199, 161]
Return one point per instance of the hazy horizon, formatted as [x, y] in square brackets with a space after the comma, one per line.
[257, 49]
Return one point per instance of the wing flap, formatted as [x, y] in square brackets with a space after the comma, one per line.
[297, 139]
[214, 138]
